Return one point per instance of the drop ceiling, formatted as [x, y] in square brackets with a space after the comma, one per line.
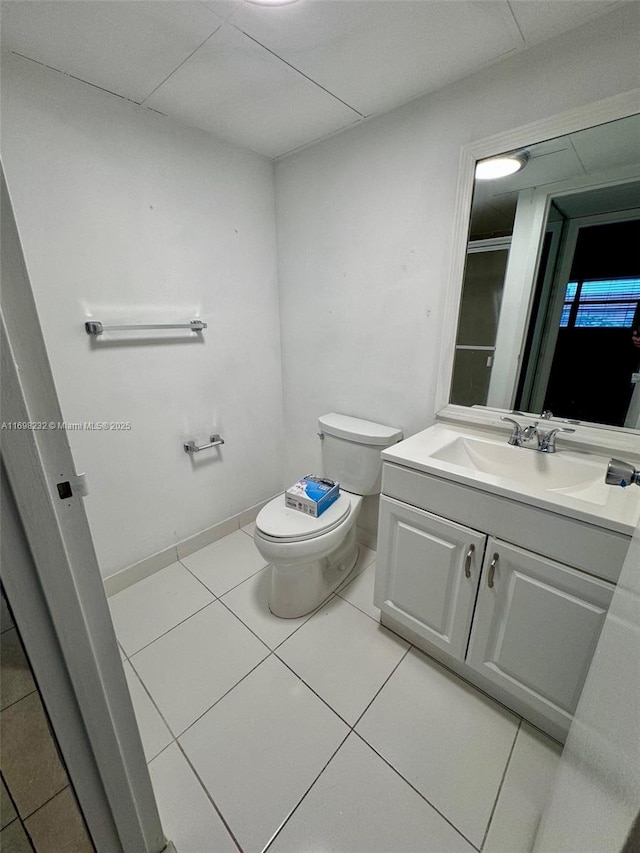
[275, 79]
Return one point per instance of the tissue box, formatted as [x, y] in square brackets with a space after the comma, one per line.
[312, 495]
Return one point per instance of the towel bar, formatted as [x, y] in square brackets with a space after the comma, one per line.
[94, 327]
[192, 447]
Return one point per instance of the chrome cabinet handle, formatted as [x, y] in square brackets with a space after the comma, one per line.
[467, 561]
[492, 570]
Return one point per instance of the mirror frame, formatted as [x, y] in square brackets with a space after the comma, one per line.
[593, 114]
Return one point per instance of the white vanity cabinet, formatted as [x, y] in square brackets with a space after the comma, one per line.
[521, 625]
[432, 573]
[535, 628]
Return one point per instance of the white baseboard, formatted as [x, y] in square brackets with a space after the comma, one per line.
[154, 563]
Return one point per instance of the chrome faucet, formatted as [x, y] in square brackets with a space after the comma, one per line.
[546, 441]
[515, 439]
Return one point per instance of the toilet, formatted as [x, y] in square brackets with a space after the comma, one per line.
[311, 557]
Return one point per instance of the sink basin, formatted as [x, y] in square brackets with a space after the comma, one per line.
[570, 482]
[560, 471]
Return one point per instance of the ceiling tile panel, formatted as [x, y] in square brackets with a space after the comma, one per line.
[235, 89]
[125, 47]
[375, 54]
[544, 19]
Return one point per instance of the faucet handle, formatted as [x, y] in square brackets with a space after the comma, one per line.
[516, 436]
[546, 415]
[547, 443]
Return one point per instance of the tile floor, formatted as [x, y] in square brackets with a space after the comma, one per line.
[38, 810]
[321, 733]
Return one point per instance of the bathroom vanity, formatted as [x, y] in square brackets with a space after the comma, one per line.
[501, 561]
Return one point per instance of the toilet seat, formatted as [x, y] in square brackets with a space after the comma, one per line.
[278, 523]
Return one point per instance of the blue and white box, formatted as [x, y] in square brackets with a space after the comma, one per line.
[312, 495]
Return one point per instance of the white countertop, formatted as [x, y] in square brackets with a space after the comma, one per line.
[569, 482]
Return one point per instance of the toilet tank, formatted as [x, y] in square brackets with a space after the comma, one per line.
[351, 450]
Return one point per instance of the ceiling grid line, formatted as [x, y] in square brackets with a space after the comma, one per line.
[186, 59]
[275, 80]
[297, 70]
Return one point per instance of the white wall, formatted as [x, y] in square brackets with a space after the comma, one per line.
[365, 229]
[129, 218]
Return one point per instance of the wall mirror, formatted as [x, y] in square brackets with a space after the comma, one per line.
[551, 281]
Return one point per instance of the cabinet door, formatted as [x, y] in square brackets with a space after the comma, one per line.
[535, 628]
[427, 572]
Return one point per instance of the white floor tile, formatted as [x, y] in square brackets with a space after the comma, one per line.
[524, 793]
[250, 602]
[188, 817]
[344, 656]
[225, 563]
[155, 735]
[192, 666]
[260, 748]
[445, 737]
[144, 611]
[360, 804]
[360, 592]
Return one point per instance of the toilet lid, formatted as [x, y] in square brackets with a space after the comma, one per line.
[277, 521]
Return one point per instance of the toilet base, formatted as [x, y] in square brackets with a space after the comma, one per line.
[300, 589]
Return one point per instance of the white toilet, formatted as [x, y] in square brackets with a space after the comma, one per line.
[311, 557]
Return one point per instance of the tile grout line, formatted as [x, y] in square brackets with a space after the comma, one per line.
[413, 788]
[253, 574]
[273, 652]
[165, 721]
[155, 705]
[384, 683]
[244, 624]
[18, 820]
[270, 652]
[169, 630]
[249, 628]
[175, 740]
[28, 834]
[461, 678]
[377, 621]
[226, 693]
[299, 803]
[351, 730]
[42, 805]
[11, 704]
[209, 797]
[18, 816]
[308, 686]
[313, 613]
[499, 791]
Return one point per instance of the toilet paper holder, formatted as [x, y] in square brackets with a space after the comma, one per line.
[214, 441]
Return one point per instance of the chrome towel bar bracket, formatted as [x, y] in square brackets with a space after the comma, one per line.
[192, 447]
[94, 327]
